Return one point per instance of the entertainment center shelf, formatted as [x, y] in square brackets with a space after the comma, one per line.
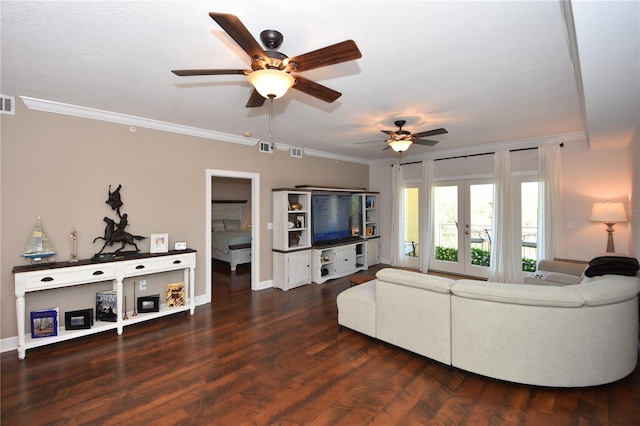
[32, 278]
[338, 260]
[322, 233]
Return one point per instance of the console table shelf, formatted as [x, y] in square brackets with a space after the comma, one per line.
[58, 275]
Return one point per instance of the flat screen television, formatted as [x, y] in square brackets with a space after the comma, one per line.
[335, 217]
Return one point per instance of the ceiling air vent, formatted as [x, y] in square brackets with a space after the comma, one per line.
[7, 104]
[266, 147]
[296, 152]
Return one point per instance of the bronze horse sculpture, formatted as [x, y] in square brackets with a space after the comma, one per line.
[113, 234]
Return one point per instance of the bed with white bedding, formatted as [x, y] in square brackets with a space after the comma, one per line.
[230, 235]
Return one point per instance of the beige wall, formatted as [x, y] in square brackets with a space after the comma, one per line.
[59, 168]
[634, 200]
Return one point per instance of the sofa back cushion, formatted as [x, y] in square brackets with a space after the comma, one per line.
[415, 279]
[518, 294]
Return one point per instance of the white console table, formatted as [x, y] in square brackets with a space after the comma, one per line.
[65, 274]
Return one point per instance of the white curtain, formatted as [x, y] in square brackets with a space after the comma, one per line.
[426, 215]
[551, 242]
[397, 217]
[506, 257]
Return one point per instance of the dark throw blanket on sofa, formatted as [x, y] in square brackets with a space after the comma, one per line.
[617, 265]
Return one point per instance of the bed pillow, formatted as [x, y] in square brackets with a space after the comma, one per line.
[217, 226]
[231, 225]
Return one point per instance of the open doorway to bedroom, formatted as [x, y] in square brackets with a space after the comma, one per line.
[232, 210]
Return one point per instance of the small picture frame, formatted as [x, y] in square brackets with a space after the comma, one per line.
[159, 243]
[44, 323]
[78, 320]
[149, 303]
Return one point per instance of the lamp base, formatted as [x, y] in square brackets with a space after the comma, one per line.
[610, 246]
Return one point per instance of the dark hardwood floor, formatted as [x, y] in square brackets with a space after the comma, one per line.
[275, 357]
[225, 283]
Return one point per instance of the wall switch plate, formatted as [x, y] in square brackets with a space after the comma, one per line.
[143, 285]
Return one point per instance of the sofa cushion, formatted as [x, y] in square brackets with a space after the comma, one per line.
[608, 289]
[415, 279]
[519, 294]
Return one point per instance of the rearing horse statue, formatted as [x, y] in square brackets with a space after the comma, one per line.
[119, 235]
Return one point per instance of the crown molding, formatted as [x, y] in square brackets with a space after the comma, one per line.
[336, 157]
[130, 120]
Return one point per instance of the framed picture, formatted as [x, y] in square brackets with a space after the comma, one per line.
[44, 323]
[149, 303]
[78, 320]
[175, 294]
[159, 243]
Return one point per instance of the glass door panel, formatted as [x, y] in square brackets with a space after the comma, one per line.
[448, 207]
[478, 228]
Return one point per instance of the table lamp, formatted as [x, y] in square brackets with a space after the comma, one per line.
[609, 213]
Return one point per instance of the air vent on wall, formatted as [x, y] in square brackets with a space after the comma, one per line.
[266, 147]
[296, 152]
[7, 104]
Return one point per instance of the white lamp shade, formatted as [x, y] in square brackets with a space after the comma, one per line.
[400, 146]
[608, 212]
[271, 83]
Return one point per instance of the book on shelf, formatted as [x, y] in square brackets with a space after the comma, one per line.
[107, 306]
[44, 322]
[175, 294]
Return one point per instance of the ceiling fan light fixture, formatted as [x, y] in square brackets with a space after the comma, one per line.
[400, 145]
[271, 83]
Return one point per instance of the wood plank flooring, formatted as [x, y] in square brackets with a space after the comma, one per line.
[275, 357]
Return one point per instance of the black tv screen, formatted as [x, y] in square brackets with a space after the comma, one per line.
[335, 217]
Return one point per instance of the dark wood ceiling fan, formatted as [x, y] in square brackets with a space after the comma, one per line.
[270, 63]
[400, 140]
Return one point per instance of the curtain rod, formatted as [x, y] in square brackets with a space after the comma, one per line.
[474, 155]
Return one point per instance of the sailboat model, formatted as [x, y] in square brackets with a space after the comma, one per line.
[39, 246]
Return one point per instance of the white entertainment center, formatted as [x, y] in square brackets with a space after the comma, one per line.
[298, 261]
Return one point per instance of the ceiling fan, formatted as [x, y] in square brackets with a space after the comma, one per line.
[271, 72]
[400, 140]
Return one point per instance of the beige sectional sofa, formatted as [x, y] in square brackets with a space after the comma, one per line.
[561, 336]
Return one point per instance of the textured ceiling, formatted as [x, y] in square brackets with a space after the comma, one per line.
[487, 71]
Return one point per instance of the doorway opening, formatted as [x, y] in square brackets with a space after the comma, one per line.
[218, 183]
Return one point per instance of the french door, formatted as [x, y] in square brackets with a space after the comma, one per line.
[463, 214]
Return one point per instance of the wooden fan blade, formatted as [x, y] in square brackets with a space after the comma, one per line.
[330, 55]
[239, 33]
[378, 141]
[389, 132]
[255, 100]
[425, 142]
[316, 90]
[186, 73]
[429, 133]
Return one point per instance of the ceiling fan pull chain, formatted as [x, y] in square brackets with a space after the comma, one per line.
[270, 115]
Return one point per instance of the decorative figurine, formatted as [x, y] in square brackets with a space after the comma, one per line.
[134, 300]
[115, 233]
[124, 316]
[73, 239]
[39, 246]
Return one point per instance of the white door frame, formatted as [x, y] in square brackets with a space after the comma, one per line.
[255, 224]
